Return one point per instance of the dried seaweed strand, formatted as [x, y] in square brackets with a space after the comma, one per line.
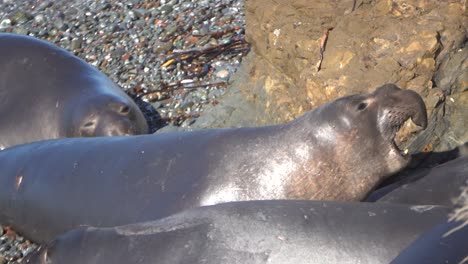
[177, 119]
[354, 5]
[323, 43]
[210, 53]
[218, 34]
[169, 88]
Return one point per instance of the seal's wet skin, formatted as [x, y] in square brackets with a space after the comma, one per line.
[49, 93]
[338, 151]
[275, 232]
[438, 186]
[445, 243]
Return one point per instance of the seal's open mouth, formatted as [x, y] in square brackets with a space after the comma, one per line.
[398, 149]
[396, 107]
[399, 132]
[403, 153]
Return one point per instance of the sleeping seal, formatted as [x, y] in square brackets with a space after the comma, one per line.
[47, 92]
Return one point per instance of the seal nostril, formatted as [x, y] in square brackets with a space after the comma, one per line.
[362, 106]
[124, 110]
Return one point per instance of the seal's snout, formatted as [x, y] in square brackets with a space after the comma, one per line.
[411, 102]
[418, 113]
[405, 103]
[396, 107]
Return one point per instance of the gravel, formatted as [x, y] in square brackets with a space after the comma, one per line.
[174, 57]
[173, 48]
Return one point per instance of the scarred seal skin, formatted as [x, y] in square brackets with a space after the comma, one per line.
[338, 151]
[275, 232]
[438, 186]
[47, 92]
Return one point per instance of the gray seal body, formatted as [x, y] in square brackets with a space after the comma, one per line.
[339, 151]
[47, 92]
[439, 185]
[255, 232]
[445, 243]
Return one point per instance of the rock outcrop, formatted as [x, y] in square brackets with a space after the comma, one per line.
[419, 45]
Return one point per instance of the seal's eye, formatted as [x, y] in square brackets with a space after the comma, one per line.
[362, 106]
[89, 124]
[88, 129]
[124, 110]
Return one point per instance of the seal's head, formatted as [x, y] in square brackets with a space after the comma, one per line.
[374, 119]
[393, 107]
[106, 115]
[355, 138]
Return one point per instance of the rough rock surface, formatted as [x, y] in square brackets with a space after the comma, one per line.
[419, 45]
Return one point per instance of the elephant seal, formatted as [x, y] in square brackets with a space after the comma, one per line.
[253, 232]
[46, 93]
[338, 151]
[438, 186]
[442, 244]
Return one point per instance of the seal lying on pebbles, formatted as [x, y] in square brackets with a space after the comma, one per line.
[437, 186]
[339, 151]
[46, 92]
[253, 232]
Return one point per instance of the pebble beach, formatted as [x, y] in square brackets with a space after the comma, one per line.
[175, 58]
